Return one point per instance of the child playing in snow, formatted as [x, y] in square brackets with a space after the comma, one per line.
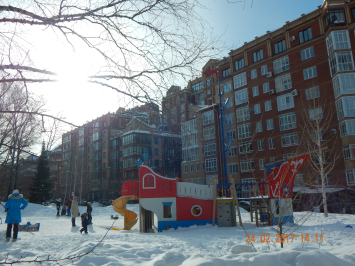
[89, 211]
[84, 223]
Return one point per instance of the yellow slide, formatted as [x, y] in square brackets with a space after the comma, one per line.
[130, 218]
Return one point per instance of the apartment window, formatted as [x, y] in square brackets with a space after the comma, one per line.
[232, 152]
[182, 107]
[285, 102]
[312, 93]
[261, 164]
[156, 151]
[258, 55]
[197, 167]
[104, 134]
[263, 70]
[283, 83]
[253, 74]
[210, 148]
[345, 107]
[305, 35]
[233, 168]
[239, 64]
[257, 109]
[268, 106]
[197, 86]
[181, 98]
[104, 155]
[315, 114]
[246, 166]
[353, 13]
[211, 165]
[298, 181]
[208, 133]
[334, 17]
[270, 124]
[307, 53]
[321, 157]
[344, 84]
[208, 92]
[245, 147]
[255, 91]
[337, 40]
[309, 73]
[281, 64]
[244, 131]
[327, 179]
[208, 82]
[266, 87]
[182, 115]
[199, 96]
[347, 128]
[318, 135]
[289, 139]
[350, 177]
[227, 87]
[279, 47]
[271, 143]
[287, 121]
[191, 168]
[208, 118]
[261, 145]
[226, 72]
[231, 135]
[186, 168]
[341, 61]
[240, 80]
[259, 126]
[273, 159]
[156, 140]
[241, 96]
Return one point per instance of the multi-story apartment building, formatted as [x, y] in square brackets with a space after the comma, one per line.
[290, 91]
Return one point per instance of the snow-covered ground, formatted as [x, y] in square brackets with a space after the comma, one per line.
[197, 245]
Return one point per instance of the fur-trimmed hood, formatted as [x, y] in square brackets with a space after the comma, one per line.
[15, 196]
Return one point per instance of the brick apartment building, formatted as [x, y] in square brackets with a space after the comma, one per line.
[290, 91]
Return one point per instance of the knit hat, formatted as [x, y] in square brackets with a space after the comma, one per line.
[15, 192]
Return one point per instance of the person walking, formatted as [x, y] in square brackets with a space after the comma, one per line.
[74, 210]
[14, 204]
[68, 204]
[89, 211]
[84, 223]
[59, 202]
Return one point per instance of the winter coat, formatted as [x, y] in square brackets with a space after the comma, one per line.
[13, 206]
[74, 209]
[68, 203]
[89, 209]
[84, 221]
[58, 204]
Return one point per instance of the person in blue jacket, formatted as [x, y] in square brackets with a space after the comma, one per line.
[13, 207]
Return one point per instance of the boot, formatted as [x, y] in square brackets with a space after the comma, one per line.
[73, 223]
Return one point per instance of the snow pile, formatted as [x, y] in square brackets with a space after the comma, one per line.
[197, 245]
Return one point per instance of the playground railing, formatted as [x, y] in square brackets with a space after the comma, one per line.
[244, 190]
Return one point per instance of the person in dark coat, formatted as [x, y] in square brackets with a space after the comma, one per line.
[14, 204]
[68, 204]
[59, 202]
[89, 211]
[84, 223]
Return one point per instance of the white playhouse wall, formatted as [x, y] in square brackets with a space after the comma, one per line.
[185, 189]
[156, 205]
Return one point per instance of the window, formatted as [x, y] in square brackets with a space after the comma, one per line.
[283, 83]
[207, 118]
[268, 106]
[210, 148]
[240, 80]
[345, 107]
[281, 64]
[263, 70]
[104, 154]
[181, 98]
[315, 114]
[318, 135]
[259, 126]
[239, 64]
[182, 107]
[96, 136]
[327, 179]
[321, 157]
[261, 164]
[244, 131]
[226, 72]
[186, 168]
[288, 156]
[182, 116]
[227, 87]
[255, 91]
[309, 73]
[156, 140]
[270, 124]
[258, 55]
[347, 128]
[273, 159]
[231, 135]
[233, 168]
[197, 86]
[199, 96]
[341, 61]
[211, 165]
[266, 87]
[298, 181]
[349, 152]
[197, 167]
[208, 92]
[167, 213]
[350, 177]
[305, 35]
[241, 96]
[261, 145]
[285, 102]
[105, 133]
[289, 139]
[337, 40]
[271, 143]
[208, 133]
[334, 17]
[190, 154]
[257, 109]
[232, 152]
[344, 84]
[307, 53]
[253, 74]
[246, 166]
[191, 168]
[287, 121]
[245, 147]
[156, 151]
[312, 93]
[279, 47]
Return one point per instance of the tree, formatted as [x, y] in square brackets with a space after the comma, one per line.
[41, 186]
